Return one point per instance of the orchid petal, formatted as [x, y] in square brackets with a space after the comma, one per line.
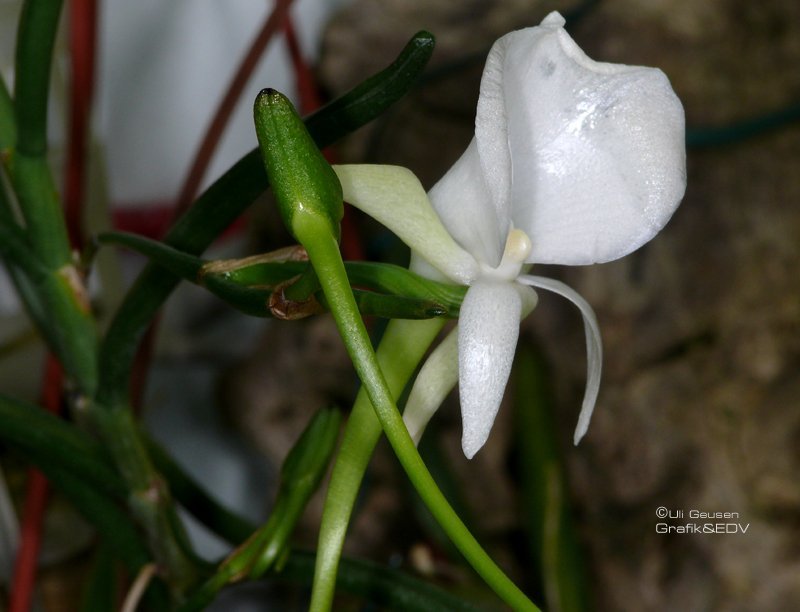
[488, 328]
[464, 204]
[394, 197]
[594, 345]
[598, 150]
[435, 380]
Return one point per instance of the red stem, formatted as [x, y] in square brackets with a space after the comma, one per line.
[82, 37]
[310, 100]
[36, 494]
[307, 90]
[200, 164]
[226, 107]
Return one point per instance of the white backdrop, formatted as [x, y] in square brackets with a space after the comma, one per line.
[164, 66]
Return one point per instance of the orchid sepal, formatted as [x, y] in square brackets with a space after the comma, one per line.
[594, 346]
[394, 196]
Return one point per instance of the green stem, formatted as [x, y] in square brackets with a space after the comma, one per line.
[46, 439]
[53, 298]
[38, 199]
[149, 498]
[323, 251]
[99, 593]
[403, 345]
[249, 288]
[63, 294]
[15, 248]
[111, 522]
[8, 129]
[70, 324]
[544, 496]
[56, 301]
[30, 173]
[387, 588]
[36, 36]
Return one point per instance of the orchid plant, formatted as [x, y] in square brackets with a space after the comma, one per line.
[573, 162]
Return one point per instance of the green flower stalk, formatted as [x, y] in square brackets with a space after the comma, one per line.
[310, 200]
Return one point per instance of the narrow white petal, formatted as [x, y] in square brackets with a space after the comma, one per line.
[435, 380]
[598, 151]
[464, 204]
[594, 345]
[394, 197]
[488, 328]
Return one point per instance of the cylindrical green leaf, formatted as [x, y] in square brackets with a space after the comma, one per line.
[8, 126]
[391, 589]
[554, 543]
[307, 461]
[46, 439]
[34, 56]
[301, 473]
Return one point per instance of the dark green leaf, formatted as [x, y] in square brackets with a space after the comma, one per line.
[45, 439]
[100, 592]
[248, 284]
[379, 585]
[554, 543]
[36, 36]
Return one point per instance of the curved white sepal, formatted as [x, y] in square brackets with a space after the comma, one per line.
[488, 328]
[394, 197]
[435, 380]
[594, 346]
[597, 150]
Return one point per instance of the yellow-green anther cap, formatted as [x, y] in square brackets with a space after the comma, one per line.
[305, 186]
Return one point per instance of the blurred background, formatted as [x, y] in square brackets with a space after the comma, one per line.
[699, 407]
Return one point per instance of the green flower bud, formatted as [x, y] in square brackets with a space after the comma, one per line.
[304, 184]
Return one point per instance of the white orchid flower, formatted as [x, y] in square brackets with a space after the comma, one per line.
[573, 162]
